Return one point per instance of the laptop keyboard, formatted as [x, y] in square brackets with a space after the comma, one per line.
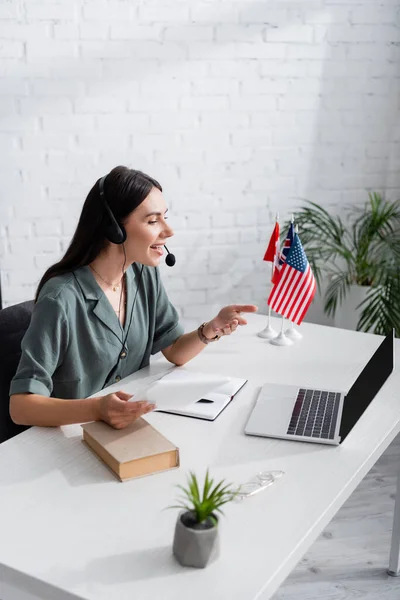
[315, 414]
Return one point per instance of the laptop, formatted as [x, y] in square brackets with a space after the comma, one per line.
[320, 416]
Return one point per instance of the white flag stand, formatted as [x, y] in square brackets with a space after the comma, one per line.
[281, 339]
[268, 332]
[293, 333]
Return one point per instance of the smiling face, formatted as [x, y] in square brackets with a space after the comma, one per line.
[147, 230]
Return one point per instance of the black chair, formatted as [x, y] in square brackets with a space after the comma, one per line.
[14, 321]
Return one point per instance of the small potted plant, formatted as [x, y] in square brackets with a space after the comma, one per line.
[196, 539]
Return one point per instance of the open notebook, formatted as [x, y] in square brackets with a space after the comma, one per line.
[191, 394]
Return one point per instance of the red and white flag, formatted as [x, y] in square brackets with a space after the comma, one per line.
[273, 251]
[292, 295]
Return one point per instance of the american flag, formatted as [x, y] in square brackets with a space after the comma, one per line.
[295, 290]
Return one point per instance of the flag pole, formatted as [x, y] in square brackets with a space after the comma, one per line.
[268, 333]
[291, 332]
[282, 339]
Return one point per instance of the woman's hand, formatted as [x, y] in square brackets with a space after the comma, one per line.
[228, 319]
[115, 409]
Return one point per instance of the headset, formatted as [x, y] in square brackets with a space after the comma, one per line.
[115, 232]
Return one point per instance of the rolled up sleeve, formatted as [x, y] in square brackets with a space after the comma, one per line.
[43, 348]
[167, 328]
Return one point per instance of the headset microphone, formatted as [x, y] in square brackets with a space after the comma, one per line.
[170, 258]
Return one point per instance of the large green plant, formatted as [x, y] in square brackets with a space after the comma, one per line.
[359, 246]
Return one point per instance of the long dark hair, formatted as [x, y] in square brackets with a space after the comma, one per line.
[125, 189]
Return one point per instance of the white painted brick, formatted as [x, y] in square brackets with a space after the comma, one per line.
[23, 277]
[229, 119]
[23, 228]
[374, 15]
[73, 70]
[327, 15]
[63, 87]
[51, 48]
[362, 33]
[204, 103]
[299, 102]
[306, 51]
[205, 13]
[21, 246]
[224, 237]
[45, 105]
[43, 261]
[94, 31]
[96, 105]
[197, 220]
[47, 141]
[49, 10]
[298, 34]
[8, 106]
[368, 51]
[260, 50]
[272, 119]
[13, 87]
[22, 31]
[106, 10]
[261, 12]
[195, 282]
[163, 14]
[107, 49]
[165, 120]
[47, 227]
[135, 31]
[238, 33]
[69, 123]
[190, 33]
[65, 31]
[223, 220]
[11, 262]
[238, 69]
[20, 124]
[11, 49]
[283, 69]
[10, 10]
[254, 139]
[194, 310]
[255, 102]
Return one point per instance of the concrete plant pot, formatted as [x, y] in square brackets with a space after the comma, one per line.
[195, 544]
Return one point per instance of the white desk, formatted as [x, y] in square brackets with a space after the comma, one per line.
[69, 529]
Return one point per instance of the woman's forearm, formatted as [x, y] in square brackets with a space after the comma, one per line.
[187, 346]
[34, 409]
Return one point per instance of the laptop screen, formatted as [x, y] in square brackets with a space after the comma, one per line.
[367, 385]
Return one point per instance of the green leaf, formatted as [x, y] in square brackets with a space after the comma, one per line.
[207, 503]
[359, 246]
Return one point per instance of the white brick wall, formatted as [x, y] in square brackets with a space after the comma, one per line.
[240, 109]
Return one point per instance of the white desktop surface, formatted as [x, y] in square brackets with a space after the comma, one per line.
[69, 529]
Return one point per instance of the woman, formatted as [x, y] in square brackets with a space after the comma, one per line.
[101, 311]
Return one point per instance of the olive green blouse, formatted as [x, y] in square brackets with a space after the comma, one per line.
[74, 344]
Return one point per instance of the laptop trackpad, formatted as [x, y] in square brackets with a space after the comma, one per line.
[273, 410]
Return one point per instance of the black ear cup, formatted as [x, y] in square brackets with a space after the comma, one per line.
[115, 232]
